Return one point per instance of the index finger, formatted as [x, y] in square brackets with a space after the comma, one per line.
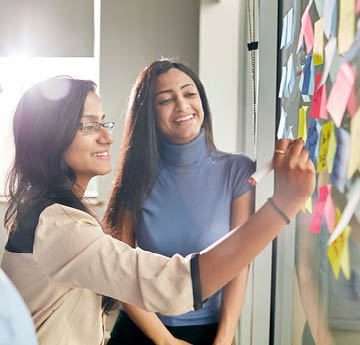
[283, 144]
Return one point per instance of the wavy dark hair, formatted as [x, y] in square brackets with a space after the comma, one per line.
[139, 154]
[45, 123]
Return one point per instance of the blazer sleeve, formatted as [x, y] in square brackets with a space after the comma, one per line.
[71, 248]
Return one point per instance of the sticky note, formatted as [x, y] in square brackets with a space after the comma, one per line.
[353, 52]
[327, 129]
[338, 175]
[284, 29]
[307, 75]
[318, 108]
[306, 32]
[281, 133]
[329, 54]
[320, 7]
[317, 149]
[290, 74]
[348, 211]
[289, 133]
[352, 103]
[282, 83]
[340, 93]
[329, 13]
[354, 155]
[290, 28]
[312, 139]
[357, 10]
[331, 152]
[319, 209]
[346, 30]
[302, 129]
[307, 206]
[329, 210]
[338, 254]
[312, 78]
[319, 42]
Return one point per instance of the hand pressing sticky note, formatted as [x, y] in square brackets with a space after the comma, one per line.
[340, 93]
[327, 129]
[319, 42]
[354, 158]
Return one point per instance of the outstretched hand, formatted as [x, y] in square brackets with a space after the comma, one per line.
[294, 171]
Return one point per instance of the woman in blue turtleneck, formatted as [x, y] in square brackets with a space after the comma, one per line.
[176, 193]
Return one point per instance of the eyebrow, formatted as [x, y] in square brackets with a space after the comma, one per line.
[93, 117]
[170, 90]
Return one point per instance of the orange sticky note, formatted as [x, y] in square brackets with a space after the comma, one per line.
[319, 42]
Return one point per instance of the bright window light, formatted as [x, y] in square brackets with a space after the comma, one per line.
[17, 74]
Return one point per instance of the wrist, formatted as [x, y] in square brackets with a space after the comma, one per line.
[289, 207]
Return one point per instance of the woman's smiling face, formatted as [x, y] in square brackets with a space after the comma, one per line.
[178, 106]
[88, 155]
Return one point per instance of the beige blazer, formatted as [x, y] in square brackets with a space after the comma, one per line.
[74, 262]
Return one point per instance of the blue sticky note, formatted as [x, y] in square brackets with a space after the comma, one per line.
[334, 21]
[317, 149]
[307, 72]
[312, 78]
[291, 73]
[281, 133]
[312, 138]
[338, 175]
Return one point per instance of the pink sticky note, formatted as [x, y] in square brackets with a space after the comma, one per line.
[352, 104]
[316, 101]
[357, 10]
[329, 210]
[308, 34]
[305, 19]
[319, 210]
[340, 93]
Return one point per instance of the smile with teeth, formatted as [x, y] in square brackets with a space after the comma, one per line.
[101, 154]
[184, 118]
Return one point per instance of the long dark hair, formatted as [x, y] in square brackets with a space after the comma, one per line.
[139, 153]
[45, 123]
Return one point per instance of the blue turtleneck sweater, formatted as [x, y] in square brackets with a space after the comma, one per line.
[189, 208]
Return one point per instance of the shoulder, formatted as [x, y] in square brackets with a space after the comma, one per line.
[61, 214]
[236, 161]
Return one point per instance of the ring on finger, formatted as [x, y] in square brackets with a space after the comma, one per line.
[279, 151]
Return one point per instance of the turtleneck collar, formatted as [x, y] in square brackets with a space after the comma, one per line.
[186, 154]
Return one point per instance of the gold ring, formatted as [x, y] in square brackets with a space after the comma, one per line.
[279, 151]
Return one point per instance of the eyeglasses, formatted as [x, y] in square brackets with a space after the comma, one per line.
[93, 126]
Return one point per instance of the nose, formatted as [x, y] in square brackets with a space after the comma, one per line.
[105, 137]
[182, 104]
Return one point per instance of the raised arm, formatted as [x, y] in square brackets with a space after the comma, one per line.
[295, 175]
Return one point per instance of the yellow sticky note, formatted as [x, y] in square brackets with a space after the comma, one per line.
[354, 156]
[327, 129]
[331, 151]
[346, 28]
[319, 42]
[307, 206]
[302, 130]
[338, 254]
